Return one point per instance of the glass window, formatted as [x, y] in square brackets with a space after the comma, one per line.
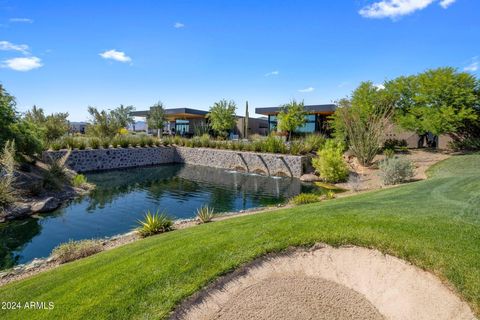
[308, 127]
[310, 117]
[182, 126]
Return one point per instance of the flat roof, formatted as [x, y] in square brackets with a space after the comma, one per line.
[173, 111]
[315, 108]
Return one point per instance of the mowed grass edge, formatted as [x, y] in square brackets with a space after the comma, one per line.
[435, 224]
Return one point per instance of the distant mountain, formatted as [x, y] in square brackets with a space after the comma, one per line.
[139, 126]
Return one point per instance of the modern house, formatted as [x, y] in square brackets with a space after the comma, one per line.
[317, 117]
[78, 127]
[188, 121]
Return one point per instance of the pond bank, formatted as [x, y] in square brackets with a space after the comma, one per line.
[33, 198]
[36, 266]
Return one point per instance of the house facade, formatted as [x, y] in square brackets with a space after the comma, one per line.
[188, 121]
[316, 118]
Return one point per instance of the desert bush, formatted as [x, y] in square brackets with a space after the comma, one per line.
[154, 223]
[313, 142]
[79, 180]
[304, 198]
[329, 162]
[389, 153]
[396, 170]
[362, 120]
[470, 143]
[393, 143]
[74, 250]
[7, 175]
[205, 140]
[205, 214]
[56, 173]
[330, 195]
[94, 143]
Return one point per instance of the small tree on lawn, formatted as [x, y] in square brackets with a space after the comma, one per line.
[156, 117]
[291, 116]
[438, 101]
[222, 117]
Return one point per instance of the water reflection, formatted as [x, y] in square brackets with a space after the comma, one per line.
[122, 197]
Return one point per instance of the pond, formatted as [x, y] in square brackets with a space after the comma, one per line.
[122, 197]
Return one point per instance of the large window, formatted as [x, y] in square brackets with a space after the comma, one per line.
[313, 123]
[182, 126]
[272, 123]
[309, 126]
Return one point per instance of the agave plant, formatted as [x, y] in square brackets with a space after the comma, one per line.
[205, 214]
[154, 223]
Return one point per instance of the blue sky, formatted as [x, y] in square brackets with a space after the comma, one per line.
[67, 55]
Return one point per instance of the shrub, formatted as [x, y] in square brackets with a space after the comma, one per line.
[396, 170]
[329, 162]
[154, 223]
[74, 250]
[205, 140]
[106, 143]
[313, 142]
[363, 119]
[392, 143]
[7, 175]
[79, 180]
[304, 198]
[470, 143]
[94, 143]
[205, 214]
[330, 195]
[389, 153]
[56, 173]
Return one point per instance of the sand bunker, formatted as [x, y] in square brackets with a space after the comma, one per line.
[327, 283]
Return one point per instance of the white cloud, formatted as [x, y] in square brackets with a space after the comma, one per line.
[396, 8]
[472, 67]
[115, 55]
[8, 46]
[272, 73]
[309, 89]
[22, 64]
[21, 20]
[446, 3]
[379, 86]
[178, 25]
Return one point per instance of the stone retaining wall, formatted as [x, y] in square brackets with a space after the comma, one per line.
[269, 164]
[115, 158]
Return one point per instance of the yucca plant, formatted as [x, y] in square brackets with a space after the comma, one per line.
[57, 172]
[154, 223]
[205, 214]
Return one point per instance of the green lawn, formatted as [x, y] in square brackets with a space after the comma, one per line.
[435, 224]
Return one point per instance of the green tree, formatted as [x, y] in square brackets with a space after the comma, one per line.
[7, 115]
[361, 120]
[291, 116]
[25, 134]
[122, 116]
[222, 116]
[438, 101]
[52, 126]
[108, 124]
[156, 117]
